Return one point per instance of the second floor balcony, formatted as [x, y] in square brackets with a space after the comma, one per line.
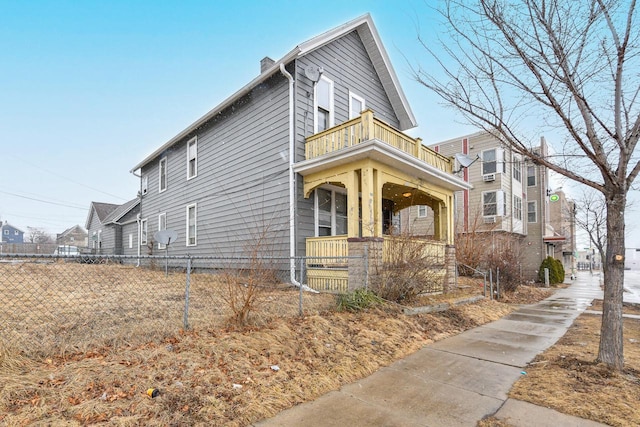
[367, 128]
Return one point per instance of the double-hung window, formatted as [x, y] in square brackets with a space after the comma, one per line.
[192, 157]
[356, 105]
[331, 212]
[143, 232]
[162, 174]
[532, 212]
[517, 207]
[422, 211]
[323, 105]
[192, 225]
[162, 225]
[531, 176]
[517, 169]
[493, 203]
[489, 161]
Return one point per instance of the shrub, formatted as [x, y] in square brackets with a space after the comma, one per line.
[358, 300]
[411, 267]
[556, 270]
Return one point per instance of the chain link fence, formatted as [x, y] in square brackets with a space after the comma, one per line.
[57, 305]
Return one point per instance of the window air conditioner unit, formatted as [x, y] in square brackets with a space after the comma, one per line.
[489, 219]
[489, 177]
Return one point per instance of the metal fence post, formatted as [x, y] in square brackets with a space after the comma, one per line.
[185, 320]
[365, 261]
[301, 281]
[498, 283]
[491, 282]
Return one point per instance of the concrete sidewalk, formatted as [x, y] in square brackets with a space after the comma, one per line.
[459, 380]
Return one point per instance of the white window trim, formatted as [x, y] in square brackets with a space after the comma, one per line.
[145, 184]
[333, 189]
[517, 167]
[353, 96]
[515, 207]
[130, 240]
[160, 216]
[144, 236]
[423, 214]
[535, 205]
[195, 141]
[166, 175]
[535, 176]
[331, 104]
[195, 219]
[500, 203]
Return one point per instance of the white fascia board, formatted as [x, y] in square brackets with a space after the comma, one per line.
[387, 154]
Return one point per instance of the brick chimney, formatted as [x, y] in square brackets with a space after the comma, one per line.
[266, 63]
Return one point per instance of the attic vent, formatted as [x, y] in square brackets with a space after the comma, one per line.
[266, 63]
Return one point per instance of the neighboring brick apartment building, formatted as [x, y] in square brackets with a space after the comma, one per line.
[510, 196]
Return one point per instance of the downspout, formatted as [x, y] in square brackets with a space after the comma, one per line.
[139, 215]
[292, 182]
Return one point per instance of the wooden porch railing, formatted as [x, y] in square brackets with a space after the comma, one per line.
[365, 128]
[327, 251]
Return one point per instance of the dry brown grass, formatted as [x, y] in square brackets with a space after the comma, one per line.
[210, 375]
[566, 378]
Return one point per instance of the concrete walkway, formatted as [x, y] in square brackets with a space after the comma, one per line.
[459, 380]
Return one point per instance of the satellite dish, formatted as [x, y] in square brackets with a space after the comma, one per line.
[464, 161]
[313, 73]
[165, 237]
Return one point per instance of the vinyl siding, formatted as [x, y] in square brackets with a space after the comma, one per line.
[345, 62]
[241, 187]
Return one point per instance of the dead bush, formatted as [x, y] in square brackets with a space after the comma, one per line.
[411, 267]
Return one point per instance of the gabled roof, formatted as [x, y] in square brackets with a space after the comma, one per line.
[102, 210]
[373, 44]
[71, 230]
[6, 224]
[121, 211]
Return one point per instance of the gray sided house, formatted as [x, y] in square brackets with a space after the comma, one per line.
[307, 150]
[113, 229]
[73, 236]
[11, 234]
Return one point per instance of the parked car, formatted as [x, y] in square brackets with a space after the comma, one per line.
[66, 250]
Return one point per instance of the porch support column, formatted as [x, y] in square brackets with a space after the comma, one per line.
[353, 202]
[437, 220]
[378, 179]
[368, 206]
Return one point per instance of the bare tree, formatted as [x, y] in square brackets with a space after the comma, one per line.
[591, 217]
[569, 66]
[38, 235]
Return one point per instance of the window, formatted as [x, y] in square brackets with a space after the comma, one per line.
[517, 207]
[356, 105]
[6, 232]
[192, 157]
[331, 212]
[192, 218]
[493, 161]
[489, 162]
[143, 232]
[162, 172]
[16, 232]
[517, 169]
[532, 212]
[493, 203]
[144, 184]
[531, 176]
[422, 211]
[162, 225]
[323, 105]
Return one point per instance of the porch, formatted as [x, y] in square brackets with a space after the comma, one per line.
[361, 174]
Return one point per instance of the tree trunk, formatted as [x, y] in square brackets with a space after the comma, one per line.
[610, 351]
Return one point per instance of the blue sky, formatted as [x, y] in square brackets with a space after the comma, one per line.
[89, 88]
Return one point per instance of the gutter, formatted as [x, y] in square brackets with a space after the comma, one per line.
[292, 183]
[139, 216]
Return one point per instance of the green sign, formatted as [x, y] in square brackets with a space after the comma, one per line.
[554, 197]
